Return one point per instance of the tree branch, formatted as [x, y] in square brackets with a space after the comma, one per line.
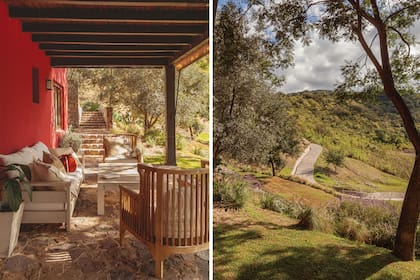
[356, 6]
[399, 11]
[402, 38]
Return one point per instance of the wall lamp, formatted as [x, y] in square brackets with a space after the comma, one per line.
[48, 84]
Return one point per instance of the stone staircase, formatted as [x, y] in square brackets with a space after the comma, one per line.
[91, 130]
[92, 120]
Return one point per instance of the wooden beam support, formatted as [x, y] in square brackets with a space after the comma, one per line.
[115, 29]
[133, 39]
[197, 44]
[193, 55]
[109, 48]
[110, 62]
[101, 3]
[170, 115]
[109, 54]
[127, 15]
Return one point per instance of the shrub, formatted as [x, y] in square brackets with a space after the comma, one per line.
[379, 218]
[352, 229]
[275, 203]
[71, 139]
[335, 157]
[229, 191]
[90, 106]
[313, 219]
[197, 151]
[154, 137]
[180, 142]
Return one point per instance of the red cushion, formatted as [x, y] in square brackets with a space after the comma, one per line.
[69, 163]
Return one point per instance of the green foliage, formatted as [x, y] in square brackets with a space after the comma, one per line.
[197, 151]
[13, 177]
[180, 142]
[291, 208]
[335, 157]
[89, 106]
[315, 219]
[352, 229]
[229, 191]
[71, 139]
[251, 124]
[154, 137]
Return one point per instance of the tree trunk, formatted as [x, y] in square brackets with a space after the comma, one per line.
[407, 226]
[191, 132]
[273, 168]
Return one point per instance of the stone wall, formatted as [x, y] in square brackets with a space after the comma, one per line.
[73, 103]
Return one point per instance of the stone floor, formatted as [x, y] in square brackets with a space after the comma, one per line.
[91, 249]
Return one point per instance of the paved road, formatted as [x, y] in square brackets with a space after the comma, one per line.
[305, 167]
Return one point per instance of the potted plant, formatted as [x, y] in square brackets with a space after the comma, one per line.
[71, 139]
[13, 178]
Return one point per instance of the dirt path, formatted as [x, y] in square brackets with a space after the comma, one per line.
[305, 164]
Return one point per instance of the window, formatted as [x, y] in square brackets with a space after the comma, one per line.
[58, 107]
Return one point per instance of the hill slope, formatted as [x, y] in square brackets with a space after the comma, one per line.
[372, 133]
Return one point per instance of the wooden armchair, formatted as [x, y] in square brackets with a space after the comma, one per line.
[170, 214]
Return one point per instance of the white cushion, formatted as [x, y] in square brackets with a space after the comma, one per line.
[24, 156]
[39, 149]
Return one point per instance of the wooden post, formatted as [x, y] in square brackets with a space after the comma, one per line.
[170, 115]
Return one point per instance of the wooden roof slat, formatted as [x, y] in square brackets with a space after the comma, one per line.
[115, 29]
[184, 40]
[109, 3]
[109, 48]
[110, 62]
[111, 15]
[108, 54]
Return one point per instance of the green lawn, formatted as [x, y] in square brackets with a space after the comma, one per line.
[359, 176]
[184, 159]
[259, 244]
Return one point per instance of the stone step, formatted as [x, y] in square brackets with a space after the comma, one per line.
[93, 136]
[92, 124]
[91, 141]
[88, 126]
[91, 145]
[97, 152]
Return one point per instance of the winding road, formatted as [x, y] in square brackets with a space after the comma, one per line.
[304, 167]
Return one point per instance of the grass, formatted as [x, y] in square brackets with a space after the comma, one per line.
[259, 244]
[291, 190]
[359, 176]
[185, 158]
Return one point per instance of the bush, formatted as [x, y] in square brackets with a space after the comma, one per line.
[229, 191]
[352, 229]
[275, 203]
[379, 218]
[335, 157]
[180, 142]
[154, 137]
[197, 151]
[71, 139]
[90, 106]
[313, 219]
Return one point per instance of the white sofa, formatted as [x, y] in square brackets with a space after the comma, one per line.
[53, 201]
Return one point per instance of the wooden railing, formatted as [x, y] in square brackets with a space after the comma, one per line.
[170, 214]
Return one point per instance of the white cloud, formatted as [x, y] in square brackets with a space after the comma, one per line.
[318, 66]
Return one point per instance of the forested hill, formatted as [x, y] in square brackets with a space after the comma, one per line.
[371, 132]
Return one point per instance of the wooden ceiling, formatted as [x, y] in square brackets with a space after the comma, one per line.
[81, 33]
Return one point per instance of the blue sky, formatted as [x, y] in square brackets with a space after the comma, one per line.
[318, 66]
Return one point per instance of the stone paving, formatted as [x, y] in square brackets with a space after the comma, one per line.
[91, 250]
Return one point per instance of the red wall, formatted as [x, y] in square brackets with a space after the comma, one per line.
[23, 123]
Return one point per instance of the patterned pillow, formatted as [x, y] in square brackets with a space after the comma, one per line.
[45, 172]
[53, 160]
[68, 162]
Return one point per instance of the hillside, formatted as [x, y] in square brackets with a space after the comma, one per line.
[369, 132]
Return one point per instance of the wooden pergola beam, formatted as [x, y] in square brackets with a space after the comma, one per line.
[128, 15]
[101, 3]
[138, 54]
[109, 48]
[106, 62]
[133, 39]
[191, 56]
[115, 29]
